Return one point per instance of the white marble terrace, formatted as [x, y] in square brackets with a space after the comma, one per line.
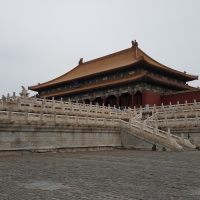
[32, 109]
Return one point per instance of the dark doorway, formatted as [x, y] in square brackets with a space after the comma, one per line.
[138, 99]
[87, 101]
[98, 100]
[125, 100]
[112, 100]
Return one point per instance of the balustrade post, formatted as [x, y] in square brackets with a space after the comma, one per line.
[53, 104]
[185, 119]
[156, 129]
[168, 135]
[32, 101]
[86, 119]
[141, 128]
[186, 104]
[10, 114]
[170, 105]
[8, 96]
[154, 107]
[147, 118]
[197, 119]
[182, 138]
[43, 103]
[26, 115]
[62, 104]
[41, 115]
[195, 103]
[18, 103]
[135, 111]
[145, 124]
[156, 119]
[182, 111]
[168, 131]
[4, 101]
[175, 120]
[147, 107]
[70, 105]
[95, 120]
[66, 117]
[96, 110]
[120, 122]
[166, 120]
[14, 96]
[164, 112]
[162, 107]
[35, 98]
[54, 116]
[76, 119]
[177, 105]
[191, 110]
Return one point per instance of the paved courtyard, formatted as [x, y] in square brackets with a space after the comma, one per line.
[118, 174]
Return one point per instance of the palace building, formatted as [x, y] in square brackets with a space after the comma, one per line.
[126, 78]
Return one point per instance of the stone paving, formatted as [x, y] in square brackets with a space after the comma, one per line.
[117, 174]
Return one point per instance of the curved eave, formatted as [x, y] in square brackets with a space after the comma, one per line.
[135, 77]
[181, 75]
[139, 76]
[42, 86]
[169, 83]
[195, 90]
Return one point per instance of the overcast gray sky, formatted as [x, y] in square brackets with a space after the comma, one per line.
[43, 39]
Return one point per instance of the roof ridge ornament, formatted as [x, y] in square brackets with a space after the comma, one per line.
[134, 43]
[80, 61]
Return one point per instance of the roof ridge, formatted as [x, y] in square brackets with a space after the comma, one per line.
[109, 55]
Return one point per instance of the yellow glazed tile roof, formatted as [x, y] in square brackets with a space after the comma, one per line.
[110, 62]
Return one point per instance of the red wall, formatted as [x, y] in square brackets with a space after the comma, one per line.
[150, 98]
[181, 98]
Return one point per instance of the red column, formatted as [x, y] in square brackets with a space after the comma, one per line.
[132, 99]
[144, 98]
[117, 100]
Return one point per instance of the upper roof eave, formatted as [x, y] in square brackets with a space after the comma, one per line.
[148, 59]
